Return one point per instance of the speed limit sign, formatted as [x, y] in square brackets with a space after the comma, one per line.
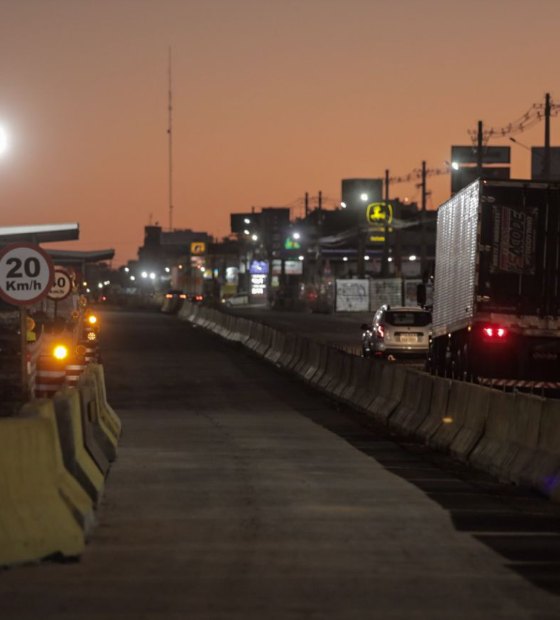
[62, 285]
[26, 274]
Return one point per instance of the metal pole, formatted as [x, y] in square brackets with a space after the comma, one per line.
[385, 255]
[306, 204]
[546, 163]
[423, 251]
[170, 133]
[23, 330]
[479, 153]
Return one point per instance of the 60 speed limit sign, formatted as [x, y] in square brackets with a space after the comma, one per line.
[26, 274]
[62, 285]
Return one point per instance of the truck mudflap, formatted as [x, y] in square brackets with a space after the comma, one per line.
[518, 383]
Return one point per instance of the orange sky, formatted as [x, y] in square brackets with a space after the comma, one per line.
[272, 98]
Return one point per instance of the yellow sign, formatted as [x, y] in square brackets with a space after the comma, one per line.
[198, 247]
[379, 213]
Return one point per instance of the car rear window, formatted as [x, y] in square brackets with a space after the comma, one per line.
[408, 319]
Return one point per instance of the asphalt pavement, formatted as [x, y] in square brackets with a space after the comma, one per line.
[241, 493]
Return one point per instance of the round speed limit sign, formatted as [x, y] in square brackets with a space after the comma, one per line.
[26, 274]
[62, 285]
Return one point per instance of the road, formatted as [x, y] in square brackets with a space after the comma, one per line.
[341, 329]
[240, 493]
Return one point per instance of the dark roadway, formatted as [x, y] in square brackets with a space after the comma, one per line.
[239, 493]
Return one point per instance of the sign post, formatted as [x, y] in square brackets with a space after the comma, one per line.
[26, 276]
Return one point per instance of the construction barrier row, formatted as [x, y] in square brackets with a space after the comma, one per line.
[515, 437]
[54, 457]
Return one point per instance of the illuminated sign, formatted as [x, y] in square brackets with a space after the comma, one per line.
[198, 247]
[258, 267]
[258, 284]
[290, 244]
[379, 213]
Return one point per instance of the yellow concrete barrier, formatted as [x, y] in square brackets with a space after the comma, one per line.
[77, 459]
[35, 520]
[79, 501]
[106, 412]
[89, 397]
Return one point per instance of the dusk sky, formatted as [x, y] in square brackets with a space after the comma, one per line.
[272, 98]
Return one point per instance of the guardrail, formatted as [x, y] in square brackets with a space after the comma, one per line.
[513, 436]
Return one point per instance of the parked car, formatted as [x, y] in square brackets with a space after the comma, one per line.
[240, 299]
[397, 332]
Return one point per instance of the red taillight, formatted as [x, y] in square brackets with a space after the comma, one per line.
[495, 332]
[380, 331]
[169, 296]
[198, 298]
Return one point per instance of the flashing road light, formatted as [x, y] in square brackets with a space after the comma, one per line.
[92, 336]
[455, 165]
[144, 274]
[92, 320]
[60, 352]
[364, 197]
[343, 205]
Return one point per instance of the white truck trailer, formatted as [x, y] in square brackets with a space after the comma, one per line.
[496, 312]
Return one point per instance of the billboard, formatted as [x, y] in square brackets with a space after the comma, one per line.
[258, 267]
[240, 222]
[352, 295]
[490, 154]
[537, 163]
[359, 193]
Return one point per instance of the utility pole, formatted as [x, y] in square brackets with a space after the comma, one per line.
[385, 255]
[170, 134]
[320, 201]
[306, 204]
[546, 162]
[479, 153]
[423, 222]
[320, 234]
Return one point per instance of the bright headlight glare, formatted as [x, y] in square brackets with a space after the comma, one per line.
[92, 336]
[92, 320]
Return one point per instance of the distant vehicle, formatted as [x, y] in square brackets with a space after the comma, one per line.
[496, 309]
[397, 332]
[195, 298]
[172, 301]
[240, 299]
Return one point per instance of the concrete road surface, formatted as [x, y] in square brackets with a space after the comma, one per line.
[239, 493]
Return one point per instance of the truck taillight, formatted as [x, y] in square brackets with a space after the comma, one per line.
[494, 332]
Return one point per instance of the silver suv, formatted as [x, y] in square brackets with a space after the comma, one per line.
[397, 332]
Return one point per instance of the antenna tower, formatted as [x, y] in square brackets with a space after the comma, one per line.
[170, 134]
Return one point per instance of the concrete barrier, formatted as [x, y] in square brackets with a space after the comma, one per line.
[80, 503]
[288, 350]
[465, 419]
[344, 378]
[77, 459]
[368, 384]
[509, 446]
[101, 435]
[321, 364]
[276, 349]
[265, 340]
[438, 409]
[106, 412]
[415, 405]
[391, 388]
[35, 520]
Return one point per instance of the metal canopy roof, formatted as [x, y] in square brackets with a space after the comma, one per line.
[75, 256]
[42, 233]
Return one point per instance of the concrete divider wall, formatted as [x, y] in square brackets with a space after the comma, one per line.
[513, 436]
[52, 473]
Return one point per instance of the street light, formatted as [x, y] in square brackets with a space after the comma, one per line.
[144, 274]
[296, 235]
[364, 197]
[3, 141]
[343, 205]
[455, 165]
[255, 237]
[152, 276]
